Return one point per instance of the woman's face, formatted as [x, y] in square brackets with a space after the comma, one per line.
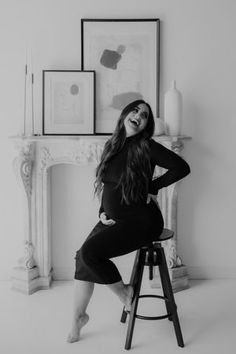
[136, 120]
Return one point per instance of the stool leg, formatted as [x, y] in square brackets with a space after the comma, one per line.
[167, 288]
[167, 302]
[132, 282]
[150, 260]
[137, 287]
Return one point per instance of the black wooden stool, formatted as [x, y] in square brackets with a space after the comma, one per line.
[152, 255]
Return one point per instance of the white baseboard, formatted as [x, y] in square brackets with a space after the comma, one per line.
[63, 273]
[212, 272]
[199, 272]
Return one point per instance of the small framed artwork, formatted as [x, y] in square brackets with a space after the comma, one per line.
[68, 102]
[125, 55]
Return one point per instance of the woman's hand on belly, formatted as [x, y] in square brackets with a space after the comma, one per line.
[105, 220]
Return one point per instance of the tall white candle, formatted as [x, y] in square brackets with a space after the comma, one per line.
[25, 90]
[32, 95]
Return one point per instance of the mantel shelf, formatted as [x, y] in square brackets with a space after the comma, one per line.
[90, 137]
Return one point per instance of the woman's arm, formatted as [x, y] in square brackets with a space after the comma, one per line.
[101, 210]
[103, 217]
[177, 167]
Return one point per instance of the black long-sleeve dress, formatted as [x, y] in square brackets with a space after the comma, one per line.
[136, 223]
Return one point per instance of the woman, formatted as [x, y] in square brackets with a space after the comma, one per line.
[128, 218]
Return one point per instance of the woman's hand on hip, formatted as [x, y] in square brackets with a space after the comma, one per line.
[153, 198]
[105, 220]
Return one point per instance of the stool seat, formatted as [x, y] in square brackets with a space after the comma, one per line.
[165, 235]
[152, 255]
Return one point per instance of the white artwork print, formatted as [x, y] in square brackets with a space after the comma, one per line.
[125, 81]
[67, 102]
[124, 55]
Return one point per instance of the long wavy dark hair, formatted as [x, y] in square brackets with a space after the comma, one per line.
[134, 180]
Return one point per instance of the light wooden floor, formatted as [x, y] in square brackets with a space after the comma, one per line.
[38, 324]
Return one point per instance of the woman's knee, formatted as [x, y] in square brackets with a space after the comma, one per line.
[86, 254]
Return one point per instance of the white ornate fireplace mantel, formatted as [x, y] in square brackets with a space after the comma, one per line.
[35, 155]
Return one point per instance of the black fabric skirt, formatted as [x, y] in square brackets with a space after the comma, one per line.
[93, 259]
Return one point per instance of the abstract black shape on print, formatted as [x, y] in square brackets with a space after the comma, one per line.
[74, 89]
[121, 100]
[121, 49]
[110, 59]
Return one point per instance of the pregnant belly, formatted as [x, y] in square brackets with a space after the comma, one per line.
[119, 211]
[112, 203]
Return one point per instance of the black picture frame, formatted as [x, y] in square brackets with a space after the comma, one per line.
[69, 102]
[104, 44]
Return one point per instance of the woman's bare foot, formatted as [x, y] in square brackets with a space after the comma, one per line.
[76, 327]
[128, 295]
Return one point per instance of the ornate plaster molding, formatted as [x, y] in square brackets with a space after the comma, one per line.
[177, 146]
[23, 164]
[78, 152]
[172, 259]
[27, 261]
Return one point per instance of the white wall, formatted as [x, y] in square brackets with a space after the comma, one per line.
[197, 49]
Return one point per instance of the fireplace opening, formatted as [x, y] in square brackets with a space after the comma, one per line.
[74, 212]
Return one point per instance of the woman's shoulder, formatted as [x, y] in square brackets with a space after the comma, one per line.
[154, 144]
[157, 149]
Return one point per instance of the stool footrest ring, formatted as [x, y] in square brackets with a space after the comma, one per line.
[153, 317]
[157, 296]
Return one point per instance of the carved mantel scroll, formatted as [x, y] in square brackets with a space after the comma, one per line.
[23, 165]
[35, 156]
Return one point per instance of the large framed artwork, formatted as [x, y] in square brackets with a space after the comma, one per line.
[125, 55]
[68, 102]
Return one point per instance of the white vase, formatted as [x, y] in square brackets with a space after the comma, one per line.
[173, 110]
